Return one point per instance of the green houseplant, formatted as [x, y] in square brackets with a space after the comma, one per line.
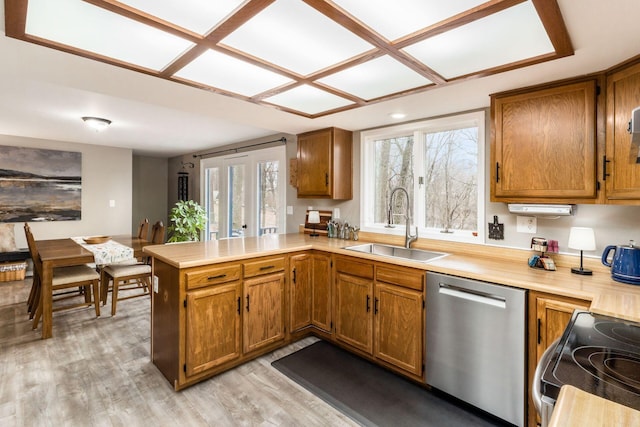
[188, 219]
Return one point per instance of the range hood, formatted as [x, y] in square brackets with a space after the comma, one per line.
[542, 209]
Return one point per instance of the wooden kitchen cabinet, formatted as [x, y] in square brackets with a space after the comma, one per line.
[300, 289]
[212, 327]
[621, 167]
[549, 315]
[324, 164]
[543, 144]
[310, 291]
[264, 303]
[353, 303]
[399, 318]
[379, 310]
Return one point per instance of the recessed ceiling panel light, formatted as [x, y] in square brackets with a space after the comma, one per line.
[375, 78]
[308, 99]
[384, 16]
[195, 15]
[91, 28]
[296, 37]
[221, 71]
[508, 36]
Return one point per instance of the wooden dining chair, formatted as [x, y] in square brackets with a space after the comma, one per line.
[64, 279]
[127, 277]
[143, 229]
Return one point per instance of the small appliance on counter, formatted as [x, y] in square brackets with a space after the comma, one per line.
[625, 262]
[597, 354]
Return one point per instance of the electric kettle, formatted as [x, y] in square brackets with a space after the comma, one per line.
[625, 263]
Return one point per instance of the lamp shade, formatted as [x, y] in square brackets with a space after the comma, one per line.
[582, 238]
[314, 217]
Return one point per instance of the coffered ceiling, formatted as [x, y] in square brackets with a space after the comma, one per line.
[306, 57]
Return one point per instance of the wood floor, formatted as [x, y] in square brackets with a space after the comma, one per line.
[97, 372]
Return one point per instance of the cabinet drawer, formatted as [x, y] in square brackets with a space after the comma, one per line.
[354, 268]
[402, 277]
[263, 266]
[212, 276]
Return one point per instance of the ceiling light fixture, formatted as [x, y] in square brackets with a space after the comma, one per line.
[397, 116]
[96, 123]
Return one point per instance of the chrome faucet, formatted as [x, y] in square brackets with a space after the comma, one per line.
[408, 238]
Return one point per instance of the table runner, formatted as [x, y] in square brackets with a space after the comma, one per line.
[109, 252]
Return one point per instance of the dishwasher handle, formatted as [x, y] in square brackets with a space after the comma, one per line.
[472, 295]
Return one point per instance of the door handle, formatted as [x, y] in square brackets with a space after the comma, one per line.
[375, 305]
[368, 303]
[294, 275]
[247, 303]
[238, 305]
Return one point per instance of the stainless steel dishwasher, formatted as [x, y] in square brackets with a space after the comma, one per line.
[475, 344]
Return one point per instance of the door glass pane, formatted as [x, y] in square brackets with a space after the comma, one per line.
[268, 197]
[237, 220]
[213, 203]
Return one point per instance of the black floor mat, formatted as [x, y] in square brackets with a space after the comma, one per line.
[371, 395]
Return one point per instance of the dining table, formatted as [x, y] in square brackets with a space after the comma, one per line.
[67, 252]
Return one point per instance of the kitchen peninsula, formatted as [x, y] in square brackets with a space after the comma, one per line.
[252, 290]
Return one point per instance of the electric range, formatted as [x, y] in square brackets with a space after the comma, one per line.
[598, 354]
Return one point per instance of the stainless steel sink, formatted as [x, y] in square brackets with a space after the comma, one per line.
[397, 252]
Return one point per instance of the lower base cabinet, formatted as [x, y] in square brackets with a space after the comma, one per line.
[263, 322]
[380, 312]
[208, 346]
[549, 315]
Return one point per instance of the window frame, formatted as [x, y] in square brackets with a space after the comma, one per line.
[419, 129]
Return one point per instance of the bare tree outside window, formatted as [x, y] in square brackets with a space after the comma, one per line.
[440, 162]
[394, 168]
[268, 194]
[450, 177]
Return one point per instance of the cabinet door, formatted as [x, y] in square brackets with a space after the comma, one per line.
[354, 320]
[398, 327]
[315, 164]
[212, 327]
[301, 284]
[321, 305]
[622, 164]
[263, 321]
[544, 144]
[549, 315]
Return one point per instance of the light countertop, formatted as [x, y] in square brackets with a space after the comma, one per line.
[481, 262]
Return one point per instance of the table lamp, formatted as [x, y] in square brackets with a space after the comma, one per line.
[583, 239]
[313, 219]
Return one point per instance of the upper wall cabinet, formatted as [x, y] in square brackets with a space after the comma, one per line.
[543, 144]
[621, 162]
[324, 164]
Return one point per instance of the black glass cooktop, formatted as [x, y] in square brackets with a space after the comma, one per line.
[600, 355]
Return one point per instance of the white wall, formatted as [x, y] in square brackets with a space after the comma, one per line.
[149, 190]
[106, 175]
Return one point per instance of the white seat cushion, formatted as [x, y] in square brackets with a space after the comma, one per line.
[76, 273]
[120, 270]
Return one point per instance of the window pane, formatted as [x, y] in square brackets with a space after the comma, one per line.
[268, 197]
[213, 202]
[451, 179]
[393, 168]
[237, 222]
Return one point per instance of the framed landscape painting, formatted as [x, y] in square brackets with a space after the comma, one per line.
[40, 185]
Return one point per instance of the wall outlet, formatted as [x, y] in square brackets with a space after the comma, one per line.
[527, 224]
[112, 203]
[289, 210]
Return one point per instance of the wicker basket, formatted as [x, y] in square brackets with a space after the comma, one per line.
[10, 271]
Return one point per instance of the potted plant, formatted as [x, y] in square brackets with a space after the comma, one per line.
[188, 219]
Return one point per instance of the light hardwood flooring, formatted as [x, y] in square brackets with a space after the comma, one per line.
[97, 372]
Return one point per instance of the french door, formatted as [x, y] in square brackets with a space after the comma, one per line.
[244, 194]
